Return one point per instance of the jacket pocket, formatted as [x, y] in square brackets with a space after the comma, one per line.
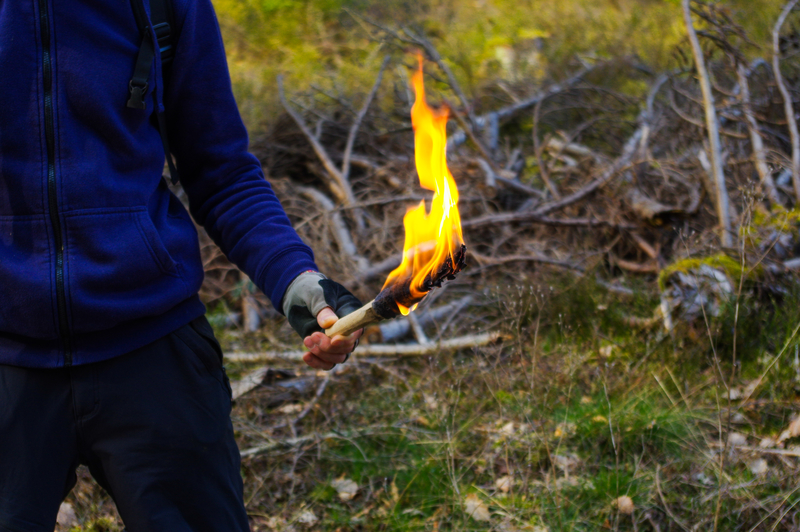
[27, 285]
[117, 269]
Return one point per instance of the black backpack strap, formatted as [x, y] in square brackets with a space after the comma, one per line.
[163, 20]
[137, 86]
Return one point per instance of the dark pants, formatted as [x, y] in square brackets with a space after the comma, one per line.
[153, 426]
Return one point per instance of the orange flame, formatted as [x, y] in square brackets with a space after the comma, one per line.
[430, 237]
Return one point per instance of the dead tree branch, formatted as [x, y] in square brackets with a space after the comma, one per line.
[351, 137]
[338, 226]
[712, 125]
[759, 159]
[787, 97]
[379, 350]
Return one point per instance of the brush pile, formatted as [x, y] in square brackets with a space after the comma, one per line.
[573, 173]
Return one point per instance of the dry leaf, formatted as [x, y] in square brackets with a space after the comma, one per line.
[394, 492]
[276, 523]
[767, 443]
[793, 431]
[505, 483]
[606, 351]
[599, 419]
[586, 400]
[507, 429]
[346, 488]
[624, 504]
[476, 508]
[66, 516]
[430, 401]
[736, 439]
[759, 467]
[307, 518]
[289, 409]
[566, 462]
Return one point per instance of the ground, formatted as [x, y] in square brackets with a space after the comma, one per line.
[573, 422]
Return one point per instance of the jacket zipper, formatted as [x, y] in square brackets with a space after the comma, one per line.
[52, 198]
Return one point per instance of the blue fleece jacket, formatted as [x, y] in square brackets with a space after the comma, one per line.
[97, 256]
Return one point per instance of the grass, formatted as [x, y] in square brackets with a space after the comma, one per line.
[548, 430]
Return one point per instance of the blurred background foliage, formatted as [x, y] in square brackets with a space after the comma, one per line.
[323, 42]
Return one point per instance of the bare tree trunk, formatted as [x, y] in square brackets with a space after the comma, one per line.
[718, 175]
[787, 97]
[759, 159]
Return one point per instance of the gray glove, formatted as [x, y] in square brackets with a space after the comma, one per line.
[311, 292]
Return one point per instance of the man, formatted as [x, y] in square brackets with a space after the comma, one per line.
[105, 356]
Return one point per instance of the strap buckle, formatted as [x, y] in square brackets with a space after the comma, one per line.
[136, 100]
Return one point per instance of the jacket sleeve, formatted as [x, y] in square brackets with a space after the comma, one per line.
[228, 194]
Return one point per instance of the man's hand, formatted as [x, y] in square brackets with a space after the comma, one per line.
[323, 352]
[311, 304]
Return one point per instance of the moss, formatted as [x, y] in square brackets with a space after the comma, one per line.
[720, 261]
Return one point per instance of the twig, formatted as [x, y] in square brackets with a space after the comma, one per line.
[300, 440]
[787, 97]
[497, 261]
[351, 137]
[317, 395]
[535, 217]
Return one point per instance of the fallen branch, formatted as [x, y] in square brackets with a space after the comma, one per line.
[535, 217]
[351, 137]
[712, 125]
[380, 350]
[338, 226]
[787, 97]
[485, 261]
[300, 440]
[399, 327]
[759, 159]
[624, 160]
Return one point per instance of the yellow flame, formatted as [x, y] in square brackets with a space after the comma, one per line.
[430, 236]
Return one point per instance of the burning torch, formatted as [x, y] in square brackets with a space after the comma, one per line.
[434, 249]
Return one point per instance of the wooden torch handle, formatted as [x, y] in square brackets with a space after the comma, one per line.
[354, 321]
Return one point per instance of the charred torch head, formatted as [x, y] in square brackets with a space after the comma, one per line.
[391, 299]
